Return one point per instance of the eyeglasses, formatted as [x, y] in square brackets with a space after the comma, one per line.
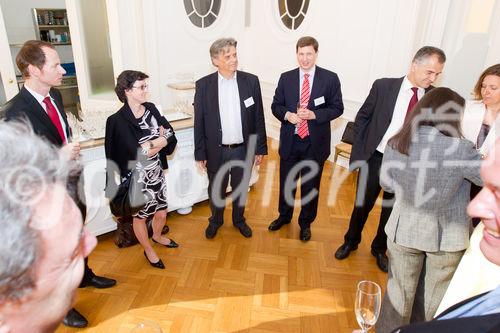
[143, 87]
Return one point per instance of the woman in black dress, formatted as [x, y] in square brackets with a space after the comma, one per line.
[139, 133]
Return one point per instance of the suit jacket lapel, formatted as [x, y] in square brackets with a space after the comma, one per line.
[295, 82]
[393, 94]
[43, 118]
[244, 93]
[213, 96]
[317, 84]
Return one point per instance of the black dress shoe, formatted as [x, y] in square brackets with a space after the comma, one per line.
[305, 234]
[100, 282]
[211, 230]
[382, 261]
[344, 250]
[158, 264]
[244, 229]
[172, 243]
[75, 319]
[277, 224]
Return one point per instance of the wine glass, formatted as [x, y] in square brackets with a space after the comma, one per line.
[367, 304]
[147, 326]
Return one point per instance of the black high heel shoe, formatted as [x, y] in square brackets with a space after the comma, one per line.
[172, 243]
[158, 264]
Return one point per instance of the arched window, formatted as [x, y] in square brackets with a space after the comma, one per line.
[293, 12]
[202, 13]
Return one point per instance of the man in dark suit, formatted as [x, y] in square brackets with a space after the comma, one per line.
[306, 100]
[41, 105]
[479, 314]
[379, 118]
[229, 132]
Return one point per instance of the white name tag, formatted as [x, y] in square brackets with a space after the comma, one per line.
[319, 101]
[249, 102]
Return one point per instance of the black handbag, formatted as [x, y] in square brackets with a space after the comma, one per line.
[129, 198]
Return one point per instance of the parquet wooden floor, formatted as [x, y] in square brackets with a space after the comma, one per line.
[269, 283]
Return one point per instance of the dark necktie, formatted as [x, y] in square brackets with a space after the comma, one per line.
[483, 133]
[54, 116]
[411, 105]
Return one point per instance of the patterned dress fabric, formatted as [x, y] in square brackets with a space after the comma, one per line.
[150, 171]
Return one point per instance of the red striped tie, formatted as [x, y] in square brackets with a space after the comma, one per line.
[305, 94]
[54, 116]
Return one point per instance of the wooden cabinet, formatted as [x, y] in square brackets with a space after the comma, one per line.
[51, 25]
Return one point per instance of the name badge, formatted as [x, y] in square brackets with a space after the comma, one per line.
[249, 102]
[319, 101]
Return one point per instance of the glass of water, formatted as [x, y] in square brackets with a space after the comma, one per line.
[367, 304]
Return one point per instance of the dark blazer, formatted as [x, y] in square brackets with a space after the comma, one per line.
[374, 117]
[207, 124]
[25, 106]
[326, 84]
[476, 324]
[122, 137]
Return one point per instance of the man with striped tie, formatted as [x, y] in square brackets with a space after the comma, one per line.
[306, 100]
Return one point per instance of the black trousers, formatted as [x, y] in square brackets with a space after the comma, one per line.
[301, 151]
[217, 184]
[78, 187]
[360, 213]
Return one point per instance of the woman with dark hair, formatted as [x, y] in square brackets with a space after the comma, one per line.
[138, 132]
[429, 167]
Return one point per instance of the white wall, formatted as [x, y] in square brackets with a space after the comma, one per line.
[360, 45]
[361, 40]
[471, 42]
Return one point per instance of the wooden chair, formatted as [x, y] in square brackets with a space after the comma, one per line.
[345, 146]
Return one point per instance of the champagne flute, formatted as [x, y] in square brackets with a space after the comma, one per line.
[367, 304]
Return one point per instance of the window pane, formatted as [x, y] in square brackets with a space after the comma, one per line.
[204, 13]
[97, 46]
[292, 12]
[202, 6]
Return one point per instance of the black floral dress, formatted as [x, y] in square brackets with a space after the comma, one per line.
[150, 170]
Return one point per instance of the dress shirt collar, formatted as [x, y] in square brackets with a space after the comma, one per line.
[407, 85]
[222, 78]
[310, 72]
[37, 96]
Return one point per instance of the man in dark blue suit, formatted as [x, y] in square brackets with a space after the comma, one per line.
[306, 100]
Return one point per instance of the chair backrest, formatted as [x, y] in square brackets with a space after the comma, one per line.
[349, 133]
